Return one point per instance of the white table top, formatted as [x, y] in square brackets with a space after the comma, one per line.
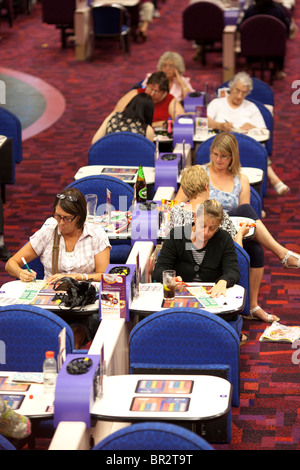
[260, 135]
[210, 397]
[151, 297]
[35, 404]
[12, 291]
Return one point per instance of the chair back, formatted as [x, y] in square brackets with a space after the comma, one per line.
[255, 201]
[185, 339]
[27, 332]
[121, 192]
[261, 91]
[153, 436]
[269, 120]
[108, 20]
[203, 21]
[263, 36]
[252, 154]
[121, 199]
[10, 126]
[122, 148]
[38, 267]
[244, 268]
[58, 12]
[5, 444]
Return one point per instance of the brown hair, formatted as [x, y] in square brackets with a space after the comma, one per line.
[75, 207]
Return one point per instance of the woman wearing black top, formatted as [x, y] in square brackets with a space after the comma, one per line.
[201, 252]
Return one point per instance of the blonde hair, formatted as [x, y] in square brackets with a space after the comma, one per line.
[194, 181]
[212, 208]
[227, 144]
[175, 58]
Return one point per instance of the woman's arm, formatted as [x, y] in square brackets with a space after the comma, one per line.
[245, 190]
[150, 133]
[175, 108]
[15, 263]
[102, 129]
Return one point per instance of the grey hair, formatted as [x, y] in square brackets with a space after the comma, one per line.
[175, 58]
[244, 78]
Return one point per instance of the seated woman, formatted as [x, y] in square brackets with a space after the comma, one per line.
[232, 190]
[83, 251]
[165, 105]
[172, 64]
[235, 111]
[137, 118]
[201, 251]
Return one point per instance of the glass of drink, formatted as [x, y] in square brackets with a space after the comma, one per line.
[169, 284]
[91, 202]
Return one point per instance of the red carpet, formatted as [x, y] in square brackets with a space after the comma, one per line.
[268, 417]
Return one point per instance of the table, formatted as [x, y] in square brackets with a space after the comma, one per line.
[260, 135]
[13, 290]
[35, 403]
[150, 300]
[209, 398]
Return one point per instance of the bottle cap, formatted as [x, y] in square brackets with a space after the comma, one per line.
[49, 354]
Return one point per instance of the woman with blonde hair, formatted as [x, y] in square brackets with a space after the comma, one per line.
[172, 64]
[232, 189]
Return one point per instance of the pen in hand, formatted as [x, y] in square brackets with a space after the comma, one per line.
[26, 266]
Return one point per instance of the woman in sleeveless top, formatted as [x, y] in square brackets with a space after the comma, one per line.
[224, 171]
[136, 117]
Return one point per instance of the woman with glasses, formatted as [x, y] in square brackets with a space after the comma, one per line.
[236, 112]
[84, 249]
[165, 105]
[83, 252]
[172, 64]
[232, 189]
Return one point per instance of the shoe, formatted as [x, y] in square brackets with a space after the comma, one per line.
[270, 318]
[244, 338]
[281, 188]
[4, 253]
[284, 261]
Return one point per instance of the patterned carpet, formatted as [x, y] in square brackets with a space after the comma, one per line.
[269, 414]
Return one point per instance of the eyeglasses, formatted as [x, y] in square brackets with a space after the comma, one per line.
[66, 219]
[237, 91]
[154, 92]
[223, 157]
[167, 64]
[67, 196]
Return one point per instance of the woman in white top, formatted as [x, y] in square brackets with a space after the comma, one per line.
[234, 111]
[84, 251]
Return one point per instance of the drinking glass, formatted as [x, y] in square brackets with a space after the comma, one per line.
[91, 202]
[169, 284]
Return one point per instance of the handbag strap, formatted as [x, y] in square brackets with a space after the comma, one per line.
[55, 251]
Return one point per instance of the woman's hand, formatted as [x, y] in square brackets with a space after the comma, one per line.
[55, 277]
[26, 276]
[219, 289]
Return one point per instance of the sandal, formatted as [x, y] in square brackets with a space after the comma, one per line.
[245, 339]
[281, 188]
[284, 261]
[270, 317]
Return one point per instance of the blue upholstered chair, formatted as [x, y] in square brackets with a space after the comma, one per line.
[121, 199]
[28, 332]
[112, 21]
[269, 120]
[10, 126]
[252, 154]
[262, 91]
[38, 267]
[255, 201]
[122, 148]
[153, 436]
[5, 444]
[244, 268]
[187, 340]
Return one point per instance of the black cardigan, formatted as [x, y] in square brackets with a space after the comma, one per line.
[219, 262]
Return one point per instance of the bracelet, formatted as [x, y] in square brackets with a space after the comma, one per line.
[86, 276]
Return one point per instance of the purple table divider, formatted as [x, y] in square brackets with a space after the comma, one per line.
[74, 394]
[167, 169]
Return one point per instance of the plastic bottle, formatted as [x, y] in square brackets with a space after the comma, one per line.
[141, 186]
[49, 373]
